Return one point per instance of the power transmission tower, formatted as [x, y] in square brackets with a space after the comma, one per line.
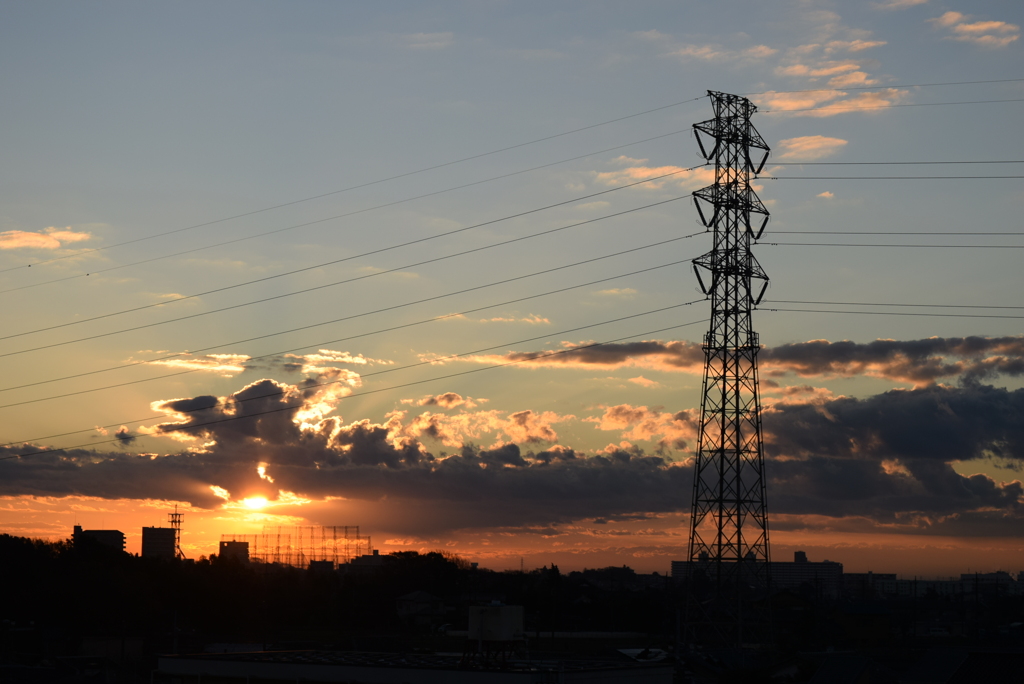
[728, 563]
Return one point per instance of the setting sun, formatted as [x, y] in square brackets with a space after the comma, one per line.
[256, 502]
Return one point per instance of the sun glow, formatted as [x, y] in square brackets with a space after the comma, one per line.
[256, 502]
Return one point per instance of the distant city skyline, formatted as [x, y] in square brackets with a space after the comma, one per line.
[335, 218]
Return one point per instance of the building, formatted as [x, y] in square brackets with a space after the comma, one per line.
[825, 578]
[112, 538]
[159, 542]
[367, 563]
[236, 550]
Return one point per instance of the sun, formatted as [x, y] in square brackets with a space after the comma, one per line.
[256, 502]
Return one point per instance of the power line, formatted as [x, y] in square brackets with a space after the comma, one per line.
[880, 177]
[886, 106]
[937, 306]
[334, 341]
[896, 163]
[884, 87]
[361, 185]
[885, 232]
[357, 256]
[851, 244]
[335, 382]
[332, 218]
[347, 280]
[896, 313]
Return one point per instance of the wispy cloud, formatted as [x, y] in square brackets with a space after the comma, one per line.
[717, 53]
[685, 178]
[51, 238]
[992, 34]
[810, 147]
[826, 103]
[898, 4]
[429, 41]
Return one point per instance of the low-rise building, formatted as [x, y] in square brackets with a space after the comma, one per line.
[234, 550]
[112, 538]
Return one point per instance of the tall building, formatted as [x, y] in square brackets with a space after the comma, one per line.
[159, 542]
[112, 538]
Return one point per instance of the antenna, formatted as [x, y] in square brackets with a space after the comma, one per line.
[175, 519]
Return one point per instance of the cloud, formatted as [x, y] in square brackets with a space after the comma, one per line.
[813, 104]
[826, 194]
[447, 400]
[853, 45]
[623, 292]
[671, 430]
[921, 362]
[461, 429]
[429, 41]
[226, 365]
[886, 460]
[653, 354]
[991, 34]
[51, 238]
[890, 456]
[810, 147]
[717, 53]
[686, 179]
[898, 4]
[124, 436]
[532, 319]
[644, 382]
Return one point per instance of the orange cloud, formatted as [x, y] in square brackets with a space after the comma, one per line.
[810, 147]
[992, 34]
[51, 238]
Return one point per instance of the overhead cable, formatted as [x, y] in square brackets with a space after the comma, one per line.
[886, 232]
[369, 253]
[535, 357]
[896, 163]
[895, 313]
[361, 185]
[342, 282]
[881, 177]
[936, 306]
[836, 108]
[330, 218]
[346, 318]
[852, 244]
[885, 87]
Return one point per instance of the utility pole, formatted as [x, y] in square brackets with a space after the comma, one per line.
[728, 550]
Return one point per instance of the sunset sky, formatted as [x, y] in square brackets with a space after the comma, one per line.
[343, 216]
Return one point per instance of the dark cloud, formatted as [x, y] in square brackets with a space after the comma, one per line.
[918, 361]
[886, 459]
[124, 436]
[446, 400]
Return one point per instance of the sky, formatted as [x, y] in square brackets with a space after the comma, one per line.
[306, 264]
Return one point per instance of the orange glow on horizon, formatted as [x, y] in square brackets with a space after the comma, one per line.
[256, 502]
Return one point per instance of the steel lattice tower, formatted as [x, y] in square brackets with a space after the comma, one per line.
[175, 519]
[728, 549]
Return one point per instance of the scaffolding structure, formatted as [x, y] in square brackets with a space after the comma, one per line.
[729, 559]
[299, 546]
